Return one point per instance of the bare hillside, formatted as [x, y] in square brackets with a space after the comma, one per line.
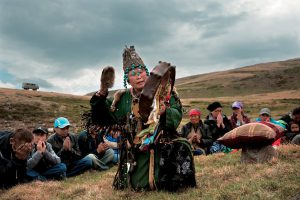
[21, 108]
[260, 78]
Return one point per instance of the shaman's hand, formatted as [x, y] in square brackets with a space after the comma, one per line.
[107, 80]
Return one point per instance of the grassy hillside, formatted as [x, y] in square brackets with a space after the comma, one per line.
[19, 108]
[260, 78]
[219, 176]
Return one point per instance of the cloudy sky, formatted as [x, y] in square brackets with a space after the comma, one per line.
[63, 44]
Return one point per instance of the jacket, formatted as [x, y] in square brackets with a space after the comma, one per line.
[216, 131]
[67, 157]
[206, 139]
[40, 162]
[88, 145]
[12, 169]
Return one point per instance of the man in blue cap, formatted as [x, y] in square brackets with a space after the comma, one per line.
[65, 145]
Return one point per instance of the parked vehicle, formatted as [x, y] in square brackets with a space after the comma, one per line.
[27, 86]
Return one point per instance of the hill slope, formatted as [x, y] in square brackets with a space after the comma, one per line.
[19, 108]
[274, 85]
[260, 78]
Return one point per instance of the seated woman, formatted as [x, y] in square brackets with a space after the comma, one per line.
[238, 117]
[218, 124]
[197, 133]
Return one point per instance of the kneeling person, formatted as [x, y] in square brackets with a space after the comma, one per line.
[65, 145]
[43, 163]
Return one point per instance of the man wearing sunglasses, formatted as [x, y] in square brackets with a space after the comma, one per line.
[14, 149]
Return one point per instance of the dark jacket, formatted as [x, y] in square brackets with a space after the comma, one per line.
[216, 131]
[40, 162]
[12, 170]
[206, 139]
[88, 145]
[67, 157]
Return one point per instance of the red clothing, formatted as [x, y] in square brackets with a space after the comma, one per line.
[277, 142]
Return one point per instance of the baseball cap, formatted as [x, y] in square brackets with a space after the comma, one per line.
[40, 129]
[237, 104]
[265, 111]
[61, 122]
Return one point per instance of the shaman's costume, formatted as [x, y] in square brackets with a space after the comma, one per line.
[152, 155]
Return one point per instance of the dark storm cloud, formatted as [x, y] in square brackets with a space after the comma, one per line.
[64, 44]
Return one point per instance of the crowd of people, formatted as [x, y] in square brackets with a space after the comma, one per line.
[150, 155]
[203, 135]
[26, 156]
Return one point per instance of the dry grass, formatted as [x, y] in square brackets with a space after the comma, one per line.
[219, 176]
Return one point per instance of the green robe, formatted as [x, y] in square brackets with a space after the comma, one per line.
[102, 114]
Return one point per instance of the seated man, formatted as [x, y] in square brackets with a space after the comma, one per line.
[197, 133]
[66, 147]
[14, 150]
[91, 143]
[43, 163]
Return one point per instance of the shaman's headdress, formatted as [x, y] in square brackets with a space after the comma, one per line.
[131, 61]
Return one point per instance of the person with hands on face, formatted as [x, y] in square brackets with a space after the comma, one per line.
[65, 145]
[238, 116]
[43, 163]
[218, 124]
[197, 133]
[91, 144]
[14, 150]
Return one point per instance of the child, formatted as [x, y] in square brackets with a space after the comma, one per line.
[43, 163]
[294, 131]
[112, 136]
